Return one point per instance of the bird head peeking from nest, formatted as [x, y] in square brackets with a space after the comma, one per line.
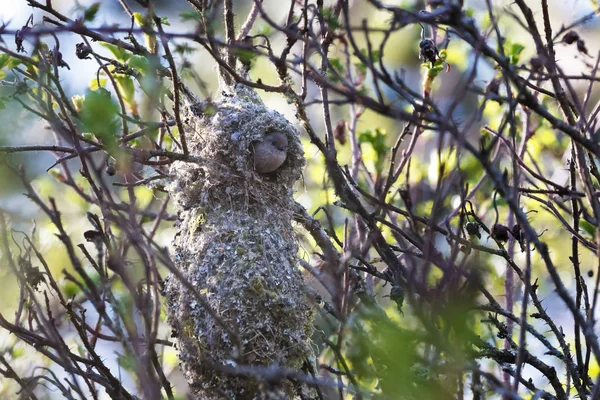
[270, 152]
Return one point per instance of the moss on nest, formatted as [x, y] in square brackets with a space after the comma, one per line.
[236, 245]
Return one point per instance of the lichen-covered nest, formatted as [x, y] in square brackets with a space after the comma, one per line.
[236, 245]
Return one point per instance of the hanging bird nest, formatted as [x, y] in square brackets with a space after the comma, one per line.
[236, 245]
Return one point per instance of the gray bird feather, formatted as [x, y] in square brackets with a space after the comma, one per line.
[270, 153]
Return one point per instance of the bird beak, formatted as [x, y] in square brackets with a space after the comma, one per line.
[281, 148]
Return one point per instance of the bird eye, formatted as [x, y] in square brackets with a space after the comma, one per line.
[274, 143]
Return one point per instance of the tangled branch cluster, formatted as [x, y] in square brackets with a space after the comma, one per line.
[436, 271]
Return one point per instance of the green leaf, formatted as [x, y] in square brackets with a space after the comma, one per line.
[244, 55]
[89, 136]
[190, 16]
[265, 30]
[331, 19]
[99, 116]
[70, 289]
[153, 86]
[127, 362]
[126, 87]
[375, 55]
[361, 67]
[90, 12]
[77, 101]
[4, 58]
[96, 84]
[377, 141]
[139, 63]
[139, 18]
[119, 53]
[17, 352]
[337, 65]
[9, 62]
[183, 49]
[81, 350]
[516, 48]
[435, 71]
[587, 227]
[513, 51]
[365, 137]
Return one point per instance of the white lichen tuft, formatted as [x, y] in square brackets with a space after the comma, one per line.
[235, 244]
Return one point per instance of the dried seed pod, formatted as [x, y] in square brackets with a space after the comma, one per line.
[110, 170]
[516, 232]
[92, 236]
[500, 232]
[492, 90]
[60, 62]
[339, 132]
[429, 52]
[570, 37]
[33, 275]
[397, 294]
[405, 195]
[20, 34]
[293, 34]
[537, 63]
[83, 51]
[581, 47]
[493, 86]
[473, 229]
